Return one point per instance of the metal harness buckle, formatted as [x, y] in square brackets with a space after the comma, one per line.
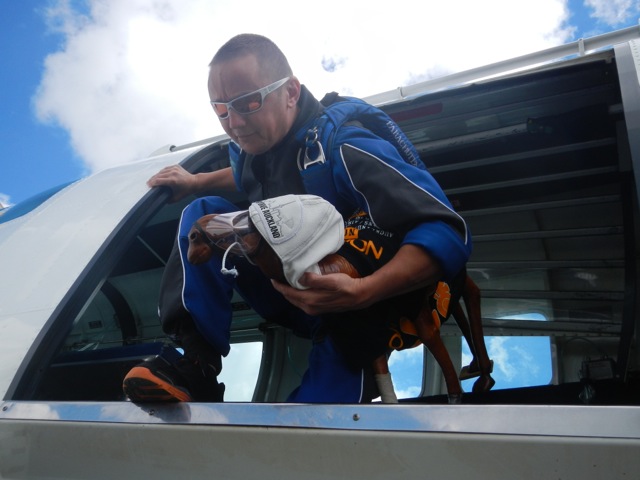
[313, 146]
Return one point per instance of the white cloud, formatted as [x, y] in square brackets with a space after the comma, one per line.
[5, 201]
[410, 392]
[613, 12]
[503, 361]
[513, 361]
[409, 357]
[130, 75]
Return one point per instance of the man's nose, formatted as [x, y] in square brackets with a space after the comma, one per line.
[235, 119]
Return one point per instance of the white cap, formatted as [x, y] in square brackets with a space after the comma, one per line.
[301, 229]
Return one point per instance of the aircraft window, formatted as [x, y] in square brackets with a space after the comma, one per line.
[517, 361]
[110, 323]
[117, 328]
[406, 367]
[240, 371]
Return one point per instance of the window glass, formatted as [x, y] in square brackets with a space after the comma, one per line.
[517, 361]
[240, 371]
[406, 367]
[523, 361]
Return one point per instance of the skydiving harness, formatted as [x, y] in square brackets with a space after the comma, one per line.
[317, 139]
[314, 163]
[340, 111]
[318, 147]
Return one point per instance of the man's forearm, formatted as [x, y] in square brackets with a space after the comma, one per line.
[410, 268]
[219, 179]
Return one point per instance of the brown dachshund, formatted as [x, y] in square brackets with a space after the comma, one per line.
[427, 323]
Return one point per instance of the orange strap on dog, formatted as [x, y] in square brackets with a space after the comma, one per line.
[404, 335]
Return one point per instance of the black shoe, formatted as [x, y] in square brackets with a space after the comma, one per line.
[201, 379]
[180, 380]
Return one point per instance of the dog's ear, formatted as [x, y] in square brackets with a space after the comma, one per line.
[335, 263]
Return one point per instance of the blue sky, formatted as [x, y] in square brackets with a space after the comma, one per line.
[89, 84]
[37, 156]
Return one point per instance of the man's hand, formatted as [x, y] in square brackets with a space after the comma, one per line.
[409, 269]
[181, 182]
[335, 292]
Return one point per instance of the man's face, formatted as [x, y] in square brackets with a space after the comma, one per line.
[259, 131]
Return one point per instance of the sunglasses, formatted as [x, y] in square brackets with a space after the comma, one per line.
[247, 103]
[230, 231]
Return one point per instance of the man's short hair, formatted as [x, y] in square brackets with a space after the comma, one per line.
[270, 58]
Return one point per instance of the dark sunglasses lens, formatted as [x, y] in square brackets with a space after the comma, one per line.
[247, 104]
[221, 109]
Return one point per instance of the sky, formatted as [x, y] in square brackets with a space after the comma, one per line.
[85, 85]
[89, 84]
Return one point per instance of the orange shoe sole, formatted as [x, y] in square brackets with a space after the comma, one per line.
[141, 385]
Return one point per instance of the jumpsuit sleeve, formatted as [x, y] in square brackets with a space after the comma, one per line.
[400, 197]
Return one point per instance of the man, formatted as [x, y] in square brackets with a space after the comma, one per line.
[261, 105]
